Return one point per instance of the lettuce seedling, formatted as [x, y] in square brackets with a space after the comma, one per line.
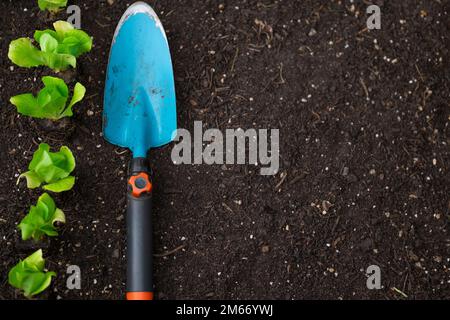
[29, 275]
[41, 219]
[59, 48]
[52, 5]
[50, 168]
[51, 101]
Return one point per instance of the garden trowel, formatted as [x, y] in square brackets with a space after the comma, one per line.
[139, 114]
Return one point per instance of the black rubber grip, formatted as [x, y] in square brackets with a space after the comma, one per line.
[140, 244]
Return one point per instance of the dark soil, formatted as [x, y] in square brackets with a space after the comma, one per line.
[363, 118]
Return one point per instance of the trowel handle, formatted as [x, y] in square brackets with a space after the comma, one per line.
[139, 233]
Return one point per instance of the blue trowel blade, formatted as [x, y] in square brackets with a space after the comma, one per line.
[139, 101]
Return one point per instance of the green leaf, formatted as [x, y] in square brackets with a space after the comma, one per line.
[50, 102]
[59, 216]
[26, 104]
[69, 159]
[51, 56]
[39, 33]
[24, 54]
[78, 94]
[29, 275]
[52, 99]
[51, 5]
[62, 185]
[33, 180]
[46, 204]
[59, 62]
[35, 261]
[56, 84]
[76, 42]
[37, 283]
[59, 47]
[53, 168]
[37, 155]
[62, 27]
[48, 43]
[70, 41]
[41, 218]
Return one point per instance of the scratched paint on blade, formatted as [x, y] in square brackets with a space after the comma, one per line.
[139, 7]
[155, 91]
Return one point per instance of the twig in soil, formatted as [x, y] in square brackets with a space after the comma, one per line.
[426, 94]
[221, 89]
[283, 178]
[362, 31]
[101, 25]
[406, 281]
[335, 225]
[420, 73]
[234, 60]
[316, 115]
[264, 27]
[298, 177]
[266, 6]
[120, 152]
[363, 84]
[227, 207]
[238, 96]
[34, 141]
[91, 96]
[400, 292]
[280, 68]
[316, 13]
[168, 253]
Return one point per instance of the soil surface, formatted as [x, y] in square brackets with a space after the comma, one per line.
[363, 118]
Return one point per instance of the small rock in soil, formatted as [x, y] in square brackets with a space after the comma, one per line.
[345, 171]
[312, 32]
[326, 205]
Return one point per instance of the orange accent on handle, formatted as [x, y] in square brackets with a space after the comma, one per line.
[136, 190]
[139, 295]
